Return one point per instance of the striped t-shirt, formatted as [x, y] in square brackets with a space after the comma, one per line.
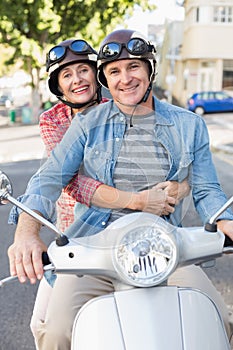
[142, 162]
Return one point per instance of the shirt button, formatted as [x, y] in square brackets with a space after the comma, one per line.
[121, 119]
[117, 139]
[96, 152]
[103, 223]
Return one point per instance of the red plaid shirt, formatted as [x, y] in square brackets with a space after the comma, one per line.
[53, 125]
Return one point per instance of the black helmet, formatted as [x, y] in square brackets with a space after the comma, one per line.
[64, 54]
[125, 44]
[68, 52]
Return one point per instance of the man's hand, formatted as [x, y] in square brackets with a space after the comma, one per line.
[25, 254]
[226, 226]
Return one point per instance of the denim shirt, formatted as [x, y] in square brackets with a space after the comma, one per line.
[94, 140]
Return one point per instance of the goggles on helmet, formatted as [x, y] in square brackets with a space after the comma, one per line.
[78, 47]
[135, 46]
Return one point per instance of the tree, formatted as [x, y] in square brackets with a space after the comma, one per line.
[29, 27]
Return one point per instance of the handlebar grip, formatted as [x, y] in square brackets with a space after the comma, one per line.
[45, 259]
[228, 242]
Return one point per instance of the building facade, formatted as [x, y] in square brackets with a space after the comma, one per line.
[205, 58]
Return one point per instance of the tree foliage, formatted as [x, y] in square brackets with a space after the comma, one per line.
[30, 27]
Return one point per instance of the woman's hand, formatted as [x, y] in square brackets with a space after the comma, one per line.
[157, 201]
[163, 197]
[177, 190]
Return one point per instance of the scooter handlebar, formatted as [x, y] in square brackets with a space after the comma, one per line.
[45, 259]
[228, 242]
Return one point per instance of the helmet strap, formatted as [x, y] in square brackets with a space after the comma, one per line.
[148, 90]
[147, 93]
[99, 93]
[85, 104]
[77, 105]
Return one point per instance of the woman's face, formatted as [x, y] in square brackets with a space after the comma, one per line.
[77, 82]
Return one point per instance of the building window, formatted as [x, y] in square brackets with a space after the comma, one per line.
[223, 14]
[227, 80]
[197, 14]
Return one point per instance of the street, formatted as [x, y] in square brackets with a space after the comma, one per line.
[16, 299]
[20, 157]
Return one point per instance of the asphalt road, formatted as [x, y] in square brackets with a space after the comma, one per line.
[16, 300]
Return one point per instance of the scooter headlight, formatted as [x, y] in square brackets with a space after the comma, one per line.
[145, 256]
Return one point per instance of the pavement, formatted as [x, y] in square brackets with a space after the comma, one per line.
[23, 142]
[19, 142]
[220, 132]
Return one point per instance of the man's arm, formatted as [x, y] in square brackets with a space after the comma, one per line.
[226, 226]
[207, 193]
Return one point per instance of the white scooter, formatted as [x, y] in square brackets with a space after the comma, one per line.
[140, 251]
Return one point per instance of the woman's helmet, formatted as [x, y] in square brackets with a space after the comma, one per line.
[125, 44]
[66, 53]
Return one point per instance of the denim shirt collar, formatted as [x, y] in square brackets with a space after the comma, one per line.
[161, 109]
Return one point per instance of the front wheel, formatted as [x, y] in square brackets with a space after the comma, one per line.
[199, 110]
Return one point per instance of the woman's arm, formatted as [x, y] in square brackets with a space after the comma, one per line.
[53, 125]
[159, 200]
[154, 201]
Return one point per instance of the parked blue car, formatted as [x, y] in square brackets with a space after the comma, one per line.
[210, 102]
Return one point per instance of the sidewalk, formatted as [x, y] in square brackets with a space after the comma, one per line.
[4, 122]
[23, 142]
[221, 135]
[19, 142]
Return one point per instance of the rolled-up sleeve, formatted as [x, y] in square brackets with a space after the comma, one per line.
[82, 189]
[43, 205]
[44, 188]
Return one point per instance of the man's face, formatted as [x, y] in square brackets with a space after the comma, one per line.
[127, 80]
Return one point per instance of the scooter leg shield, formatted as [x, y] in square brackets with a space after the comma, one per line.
[158, 318]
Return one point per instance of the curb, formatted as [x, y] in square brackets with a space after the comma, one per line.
[222, 148]
[9, 125]
[225, 148]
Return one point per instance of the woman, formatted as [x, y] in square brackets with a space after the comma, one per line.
[71, 66]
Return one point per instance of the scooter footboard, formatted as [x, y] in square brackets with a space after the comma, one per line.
[158, 318]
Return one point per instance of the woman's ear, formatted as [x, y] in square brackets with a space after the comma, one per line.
[59, 89]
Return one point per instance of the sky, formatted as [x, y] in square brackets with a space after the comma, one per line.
[166, 9]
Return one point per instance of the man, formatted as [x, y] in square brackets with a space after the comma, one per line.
[134, 140]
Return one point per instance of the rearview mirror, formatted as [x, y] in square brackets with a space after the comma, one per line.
[5, 188]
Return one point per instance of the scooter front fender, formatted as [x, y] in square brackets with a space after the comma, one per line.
[157, 318]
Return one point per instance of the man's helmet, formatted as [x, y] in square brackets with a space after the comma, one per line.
[125, 44]
[66, 53]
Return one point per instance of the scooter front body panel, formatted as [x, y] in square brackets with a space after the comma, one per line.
[158, 318]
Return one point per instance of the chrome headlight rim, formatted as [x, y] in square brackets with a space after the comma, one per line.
[165, 238]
